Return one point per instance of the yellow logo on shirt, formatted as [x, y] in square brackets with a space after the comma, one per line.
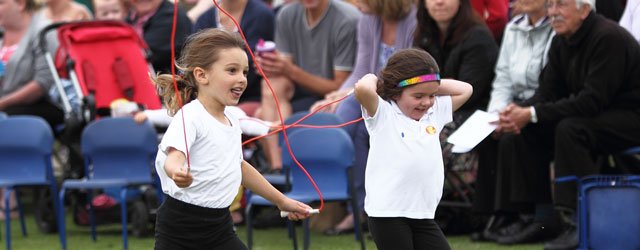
[431, 130]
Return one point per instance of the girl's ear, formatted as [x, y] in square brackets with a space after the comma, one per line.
[200, 75]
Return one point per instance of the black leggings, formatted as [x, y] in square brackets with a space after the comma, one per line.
[181, 225]
[399, 233]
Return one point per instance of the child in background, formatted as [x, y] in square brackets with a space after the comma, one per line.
[195, 213]
[249, 125]
[110, 9]
[404, 112]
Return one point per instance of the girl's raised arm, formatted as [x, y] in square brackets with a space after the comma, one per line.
[458, 90]
[365, 92]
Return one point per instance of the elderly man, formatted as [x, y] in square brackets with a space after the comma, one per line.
[588, 103]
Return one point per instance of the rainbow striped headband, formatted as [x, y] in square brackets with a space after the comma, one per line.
[419, 79]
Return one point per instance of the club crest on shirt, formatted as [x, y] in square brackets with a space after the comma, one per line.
[430, 130]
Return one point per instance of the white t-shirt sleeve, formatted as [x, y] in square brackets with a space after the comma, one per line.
[158, 117]
[443, 108]
[371, 122]
[176, 136]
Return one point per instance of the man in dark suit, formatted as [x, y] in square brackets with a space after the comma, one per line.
[588, 103]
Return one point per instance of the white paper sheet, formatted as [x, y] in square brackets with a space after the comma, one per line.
[472, 131]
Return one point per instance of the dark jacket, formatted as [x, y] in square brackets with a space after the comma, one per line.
[594, 70]
[157, 34]
[472, 60]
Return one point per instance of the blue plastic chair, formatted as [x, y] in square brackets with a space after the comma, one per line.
[319, 118]
[608, 215]
[25, 160]
[327, 154]
[608, 212]
[315, 119]
[118, 153]
[3, 115]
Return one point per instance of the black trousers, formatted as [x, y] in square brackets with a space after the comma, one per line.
[181, 225]
[573, 144]
[399, 233]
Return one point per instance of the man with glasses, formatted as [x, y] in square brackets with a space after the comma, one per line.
[587, 104]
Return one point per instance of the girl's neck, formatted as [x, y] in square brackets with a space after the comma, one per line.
[389, 32]
[214, 108]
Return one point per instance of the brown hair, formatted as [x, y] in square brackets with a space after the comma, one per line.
[427, 31]
[402, 65]
[201, 49]
[394, 10]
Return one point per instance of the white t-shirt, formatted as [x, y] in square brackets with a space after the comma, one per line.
[405, 172]
[215, 153]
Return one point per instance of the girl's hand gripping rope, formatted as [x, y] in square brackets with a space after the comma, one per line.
[294, 210]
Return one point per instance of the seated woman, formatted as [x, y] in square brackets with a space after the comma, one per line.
[464, 48]
[24, 92]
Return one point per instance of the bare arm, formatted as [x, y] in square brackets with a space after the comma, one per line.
[365, 92]
[255, 182]
[458, 90]
[29, 93]
[173, 166]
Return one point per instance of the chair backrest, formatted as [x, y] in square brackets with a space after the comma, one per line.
[119, 148]
[25, 149]
[3, 115]
[608, 215]
[320, 118]
[327, 154]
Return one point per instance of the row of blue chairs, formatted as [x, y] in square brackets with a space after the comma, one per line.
[118, 153]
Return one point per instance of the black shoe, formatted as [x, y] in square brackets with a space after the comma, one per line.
[490, 232]
[567, 240]
[533, 232]
[514, 227]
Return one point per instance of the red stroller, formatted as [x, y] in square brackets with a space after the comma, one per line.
[96, 63]
[104, 61]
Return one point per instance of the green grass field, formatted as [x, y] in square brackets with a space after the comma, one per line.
[109, 237]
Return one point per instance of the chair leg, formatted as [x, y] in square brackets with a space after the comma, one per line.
[21, 214]
[357, 225]
[61, 220]
[92, 216]
[292, 234]
[7, 218]
[307, 236]
[123, 211]
[249, 222]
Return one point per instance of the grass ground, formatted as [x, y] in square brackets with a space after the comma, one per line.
[109, 237]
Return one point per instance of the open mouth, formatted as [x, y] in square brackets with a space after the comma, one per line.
[237, 92]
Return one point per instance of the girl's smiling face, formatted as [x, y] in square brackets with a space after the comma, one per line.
[415, 100]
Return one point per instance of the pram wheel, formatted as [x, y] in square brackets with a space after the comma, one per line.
[140, 219]
[44, 214]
